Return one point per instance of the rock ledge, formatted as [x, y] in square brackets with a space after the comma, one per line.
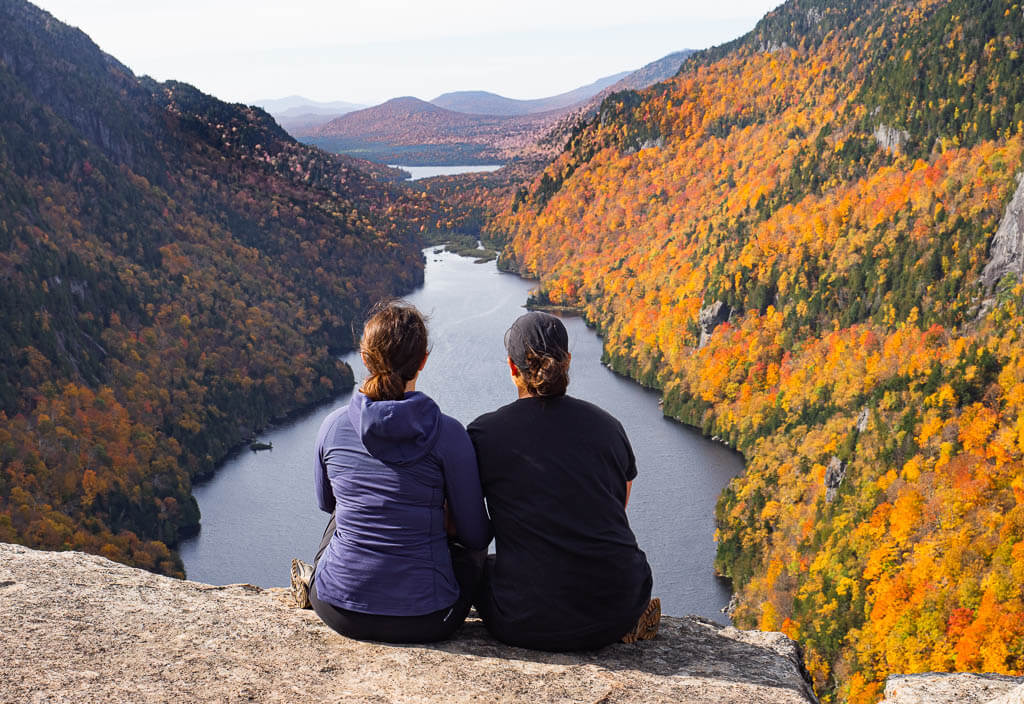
[80, 628]
[953, 688]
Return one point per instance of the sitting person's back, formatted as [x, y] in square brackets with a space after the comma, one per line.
[396, 474]
[383, 476]
[556, 472]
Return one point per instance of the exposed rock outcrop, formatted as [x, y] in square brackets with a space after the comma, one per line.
[862, 419]
[891, 138]
[953, 688]
[1006, 253]
[80, 628]
[710, 317]
[834, 474]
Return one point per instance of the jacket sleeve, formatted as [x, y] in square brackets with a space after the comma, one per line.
[462, 487]
[324, 492]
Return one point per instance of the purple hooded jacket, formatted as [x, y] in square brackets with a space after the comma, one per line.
[385, 469]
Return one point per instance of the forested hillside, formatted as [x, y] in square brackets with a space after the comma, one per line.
[795, 239]
[176, 271]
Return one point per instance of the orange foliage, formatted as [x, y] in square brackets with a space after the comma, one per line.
[855, 333]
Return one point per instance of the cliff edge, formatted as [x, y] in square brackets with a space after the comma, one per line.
[953, 688]
[80, 628]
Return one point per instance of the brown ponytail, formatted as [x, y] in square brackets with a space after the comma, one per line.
[394, 344]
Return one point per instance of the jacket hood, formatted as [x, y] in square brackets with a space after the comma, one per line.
[396, 432]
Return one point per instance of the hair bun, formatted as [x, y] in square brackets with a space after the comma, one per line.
[546, 374]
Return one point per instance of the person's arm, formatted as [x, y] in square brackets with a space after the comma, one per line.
[462, 487]
[630, 468]
[321, 482]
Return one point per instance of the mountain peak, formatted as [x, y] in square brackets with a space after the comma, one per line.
[409, 103]
[481, 102]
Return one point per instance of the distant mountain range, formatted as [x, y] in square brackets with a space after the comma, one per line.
[472, 126]
[298, 115]
[483, 103]
[411, 131]
[297, 105]
[301, 116]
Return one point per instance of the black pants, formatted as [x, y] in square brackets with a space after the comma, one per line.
[428, 628]
[509, 629]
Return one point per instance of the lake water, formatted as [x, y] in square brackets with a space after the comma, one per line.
[419, 172]
[259, 510]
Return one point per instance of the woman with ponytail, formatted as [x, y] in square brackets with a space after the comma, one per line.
[403, 550]
[556, 472]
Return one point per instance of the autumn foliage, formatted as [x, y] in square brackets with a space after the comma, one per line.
[840, 200]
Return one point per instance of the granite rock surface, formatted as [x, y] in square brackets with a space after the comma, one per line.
[1006, 251]
[80, 628]
[953, 688]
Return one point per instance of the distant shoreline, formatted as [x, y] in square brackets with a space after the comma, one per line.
[551, 308]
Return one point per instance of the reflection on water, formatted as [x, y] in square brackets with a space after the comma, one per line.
[259, 510]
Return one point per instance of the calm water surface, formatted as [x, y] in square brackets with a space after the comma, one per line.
[259, 510]
[419, 172]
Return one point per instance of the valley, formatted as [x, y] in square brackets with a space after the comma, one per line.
[807, 239]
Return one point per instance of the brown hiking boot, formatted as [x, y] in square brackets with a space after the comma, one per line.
[302, 575]
[647, 625]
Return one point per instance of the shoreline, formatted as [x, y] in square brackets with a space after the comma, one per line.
[274, 423]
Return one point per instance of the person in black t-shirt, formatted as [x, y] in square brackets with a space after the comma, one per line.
[556, 473]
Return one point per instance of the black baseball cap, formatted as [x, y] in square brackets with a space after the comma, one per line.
[539, 332]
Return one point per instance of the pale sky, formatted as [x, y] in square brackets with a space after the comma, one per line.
[367, 51]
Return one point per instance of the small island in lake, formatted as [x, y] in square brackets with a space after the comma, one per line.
[463, 245]
[257, 446]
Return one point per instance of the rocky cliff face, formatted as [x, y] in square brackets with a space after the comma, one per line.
[81, 628]
[1006, 252]
[890, 138]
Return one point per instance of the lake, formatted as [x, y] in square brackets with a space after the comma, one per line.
[419, 172]
[259, 511]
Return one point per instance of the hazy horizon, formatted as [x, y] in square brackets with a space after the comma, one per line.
[369, 52]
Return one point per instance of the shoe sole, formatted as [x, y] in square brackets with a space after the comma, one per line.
[646, 627]
[300, 590]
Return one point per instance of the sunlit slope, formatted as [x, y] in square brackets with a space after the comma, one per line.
[835, 178]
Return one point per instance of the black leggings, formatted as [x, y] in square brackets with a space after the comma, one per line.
[428, 628]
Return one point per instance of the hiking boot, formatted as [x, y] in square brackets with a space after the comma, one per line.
[302, 575]
[647, 625]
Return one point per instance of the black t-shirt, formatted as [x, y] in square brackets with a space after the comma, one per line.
[554, 473]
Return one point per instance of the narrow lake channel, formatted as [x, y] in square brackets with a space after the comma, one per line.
[258, 510]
